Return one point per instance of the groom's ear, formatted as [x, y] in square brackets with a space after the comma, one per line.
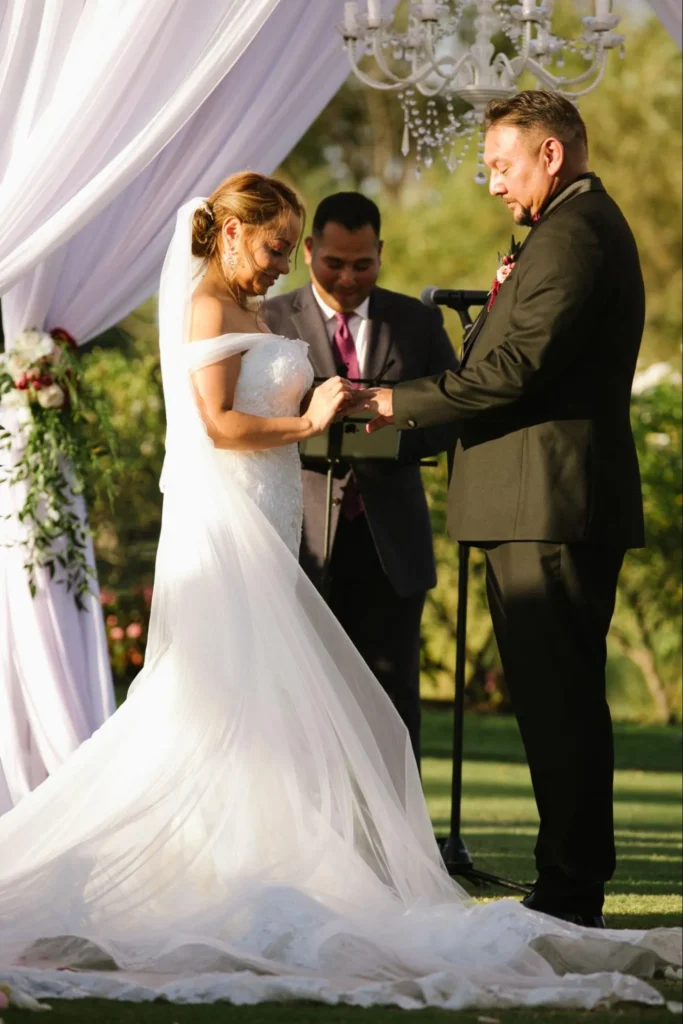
[308, 250]
[552, 152]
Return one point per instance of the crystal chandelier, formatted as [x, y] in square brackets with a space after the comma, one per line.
[430, 59]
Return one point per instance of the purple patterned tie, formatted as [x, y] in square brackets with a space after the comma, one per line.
[345, 355]
[345, 347]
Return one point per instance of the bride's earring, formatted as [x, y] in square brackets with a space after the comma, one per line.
[229, 261]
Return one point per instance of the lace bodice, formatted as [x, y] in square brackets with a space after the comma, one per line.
[274, 376]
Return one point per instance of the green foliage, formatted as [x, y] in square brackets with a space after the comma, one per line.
[126, 365]
[647, 624]
[65, 430]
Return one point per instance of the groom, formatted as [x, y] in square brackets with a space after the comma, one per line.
[546, 477]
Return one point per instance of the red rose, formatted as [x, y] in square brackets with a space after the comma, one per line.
[59, 334]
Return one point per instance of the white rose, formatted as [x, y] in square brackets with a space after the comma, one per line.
[17, 363]
[503, 272]
[51, 397]
[33, 345]
[45, 346]
[15, 399]
[28, 341]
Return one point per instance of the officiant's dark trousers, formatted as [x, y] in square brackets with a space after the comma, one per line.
[551, 606]
[384, 626]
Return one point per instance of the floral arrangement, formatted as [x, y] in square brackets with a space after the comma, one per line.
[51, 449]
[506, 264]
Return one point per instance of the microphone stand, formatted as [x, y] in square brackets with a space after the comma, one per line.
[455, 854]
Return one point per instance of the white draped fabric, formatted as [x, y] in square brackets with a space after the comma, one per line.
[281, 80]
[670, 13]
[165, 111]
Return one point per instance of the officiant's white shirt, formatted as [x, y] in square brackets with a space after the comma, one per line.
[358, 326]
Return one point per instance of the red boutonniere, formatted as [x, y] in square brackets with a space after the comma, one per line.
[506, 264]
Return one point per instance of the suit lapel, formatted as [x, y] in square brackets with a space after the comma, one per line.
[308, 321]
[377, 356]
[586, 183]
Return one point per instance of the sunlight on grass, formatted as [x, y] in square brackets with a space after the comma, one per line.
[499, 818]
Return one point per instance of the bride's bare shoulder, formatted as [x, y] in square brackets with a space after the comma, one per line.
[213, 316]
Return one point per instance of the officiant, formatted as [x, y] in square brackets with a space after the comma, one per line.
[382, 561]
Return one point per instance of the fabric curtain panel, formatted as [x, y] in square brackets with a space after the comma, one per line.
[670, 13]
[252, 119]
[91, 93]
[233, 89]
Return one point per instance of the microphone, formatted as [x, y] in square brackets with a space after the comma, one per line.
[454, 298]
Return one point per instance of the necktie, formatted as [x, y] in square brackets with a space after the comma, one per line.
[345, 347]
[345, 356]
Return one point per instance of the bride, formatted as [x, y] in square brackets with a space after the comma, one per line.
[250, 824]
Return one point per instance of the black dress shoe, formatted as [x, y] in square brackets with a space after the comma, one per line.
[532, 902]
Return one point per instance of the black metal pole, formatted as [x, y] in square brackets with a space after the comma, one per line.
[454, 851]
[325, 586]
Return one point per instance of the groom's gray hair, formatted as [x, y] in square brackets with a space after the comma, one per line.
[535, 110]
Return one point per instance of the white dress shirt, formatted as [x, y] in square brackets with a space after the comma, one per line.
[358, 326]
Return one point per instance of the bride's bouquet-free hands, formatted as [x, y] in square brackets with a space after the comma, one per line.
[328, 402]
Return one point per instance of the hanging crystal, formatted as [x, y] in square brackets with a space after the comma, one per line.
[405, 144]
[436, 56]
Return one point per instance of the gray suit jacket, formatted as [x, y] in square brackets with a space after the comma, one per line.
[406, 340]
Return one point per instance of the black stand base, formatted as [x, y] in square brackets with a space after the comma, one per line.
[458, 862]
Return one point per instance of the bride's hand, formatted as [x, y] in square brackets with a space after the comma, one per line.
[327, 401]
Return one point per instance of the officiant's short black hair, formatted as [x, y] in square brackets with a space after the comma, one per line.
[352, 210]
[536, 108]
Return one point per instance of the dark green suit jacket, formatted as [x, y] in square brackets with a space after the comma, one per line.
[542, 396]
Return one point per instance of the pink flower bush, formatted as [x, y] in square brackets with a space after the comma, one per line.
[126, 615]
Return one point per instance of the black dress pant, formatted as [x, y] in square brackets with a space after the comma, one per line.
[551, 606]
[383, 626]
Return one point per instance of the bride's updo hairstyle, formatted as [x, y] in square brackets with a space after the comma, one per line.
[254, 199]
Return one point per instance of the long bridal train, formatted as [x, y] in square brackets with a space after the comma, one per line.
[250, 824]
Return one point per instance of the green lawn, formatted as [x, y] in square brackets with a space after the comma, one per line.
[499, 823]
[499, 815]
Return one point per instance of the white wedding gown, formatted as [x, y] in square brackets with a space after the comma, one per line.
[250, 824]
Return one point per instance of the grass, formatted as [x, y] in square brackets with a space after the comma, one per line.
[500, 821]
[499, 825]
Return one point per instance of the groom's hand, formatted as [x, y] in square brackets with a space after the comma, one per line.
[381, 402]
